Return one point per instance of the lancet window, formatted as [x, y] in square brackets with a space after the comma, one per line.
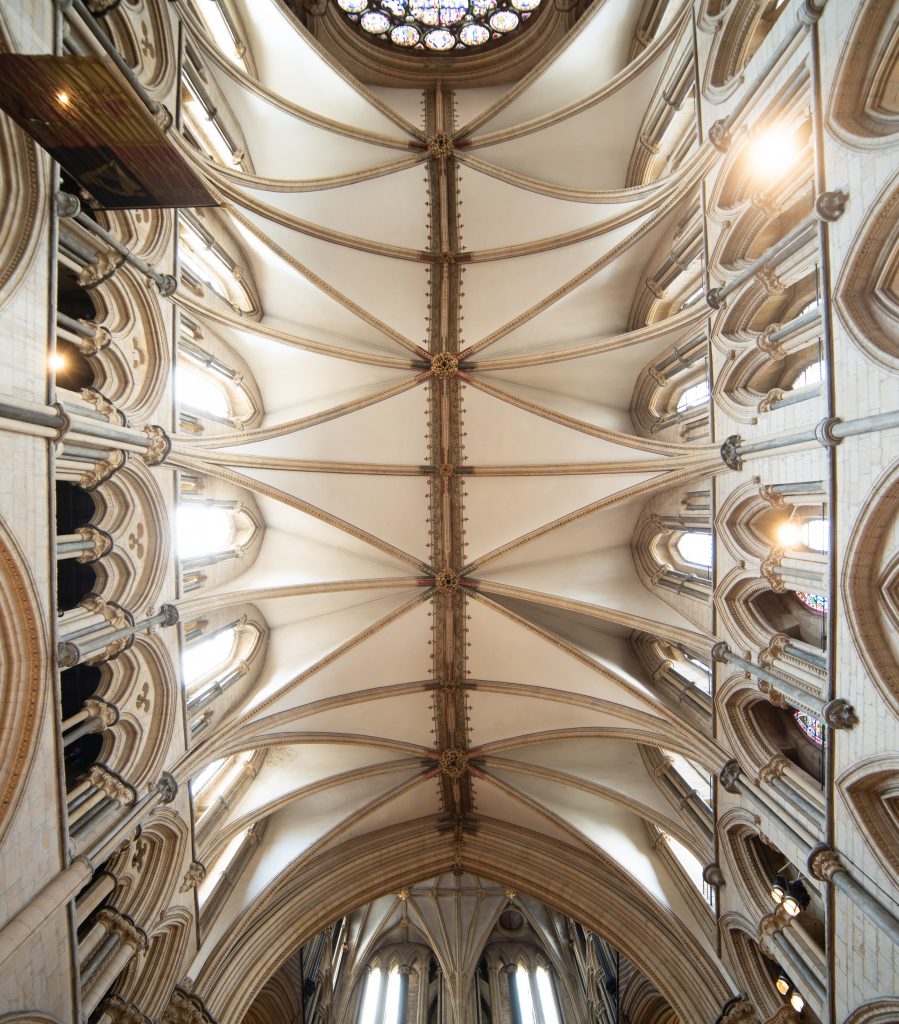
[206, 264]
[209, 531]
[534, 996]
[222, 24]
[207, 123]
[206, 387]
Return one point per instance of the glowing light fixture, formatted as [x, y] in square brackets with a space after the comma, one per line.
[797, 1002]
[789, 534]
[57, 361]
[779, 889]
[63, 99]
[782, 984]
[772, 152]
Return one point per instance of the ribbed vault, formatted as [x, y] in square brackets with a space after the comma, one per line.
[449, 479]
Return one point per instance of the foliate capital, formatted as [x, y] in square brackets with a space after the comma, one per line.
[106, 713]
[824, 862]
[119, 924]
[720, 136]
[160, 445]
[738, 1011]
[192, 878]
[774, 769]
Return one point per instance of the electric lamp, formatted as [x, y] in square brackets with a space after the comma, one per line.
[57, 361]
[796, 1001]
[782, 984]
[772, 152]
[789, 534]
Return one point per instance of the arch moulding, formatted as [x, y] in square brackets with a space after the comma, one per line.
[311, 894]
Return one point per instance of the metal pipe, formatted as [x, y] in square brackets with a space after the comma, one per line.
[104, 41]
[796, 325]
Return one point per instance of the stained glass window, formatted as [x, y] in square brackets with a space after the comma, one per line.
[817, 602]
[812, 727]
[440, 25]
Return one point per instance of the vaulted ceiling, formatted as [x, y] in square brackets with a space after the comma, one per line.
[446, 567]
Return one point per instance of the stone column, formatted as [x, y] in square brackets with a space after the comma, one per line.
[70, 653]
[55, 894]
[826, 865]
[774, 774]
[103, 885]
[730, 779]
[838, 714]
[87, 544]
[129, 940]
[96, 715]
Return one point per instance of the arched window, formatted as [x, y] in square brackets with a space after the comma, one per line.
[547, 996]
[812, 727]
[208, 657]
[696, 394]
[202, 779]
[809, 375]
[816, 602]
[199, 392]
[815, 534]
[392, 997]
[203, 531]
[525, 999]
[692, 868]
[221, 865]
[372, 997]
[223, 31]
[696, 548]
[205, 262]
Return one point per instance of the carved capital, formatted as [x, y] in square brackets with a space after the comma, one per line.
[167, 787]
[769, 281]
[160, 445]
[185, 1008]
[768, 570]
[107, 714]
[719, 651]
[773, 695]
[839, 714]
[774, 769]
[824, 862]
[192, 878]
[170, 614]
[720, 136]
[120, 1012]
[830, 206]
[772, 497]
[738, 1011]
[67, 654]
[118, 924]
[658, 377]
[112, 785]
[102, 544]
[444, 365]
[662, 669]
[730, 452]
[103, 470]
[774, 395]
[763, 342]
[729, 775]
[774, 650]
[714, 298]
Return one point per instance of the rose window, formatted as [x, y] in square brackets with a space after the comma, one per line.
[439, 25]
